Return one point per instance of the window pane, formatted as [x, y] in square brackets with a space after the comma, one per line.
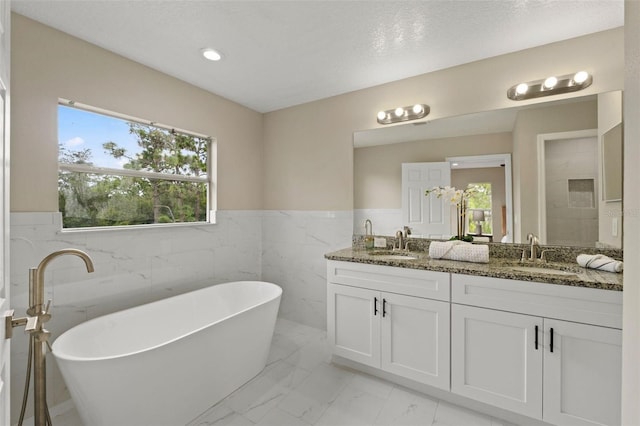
[480, 200]
[101, 200]
[99, 140]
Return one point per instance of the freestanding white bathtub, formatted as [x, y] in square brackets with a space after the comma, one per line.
[166, 362]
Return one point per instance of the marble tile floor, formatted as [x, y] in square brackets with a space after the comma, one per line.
[300, 387]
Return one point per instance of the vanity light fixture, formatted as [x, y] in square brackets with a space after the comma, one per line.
[211, 54]
[399, 114]
[550, 86]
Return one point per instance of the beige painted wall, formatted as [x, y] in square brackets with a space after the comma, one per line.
[308, 148]
[529, 124]
[47, 64]
[378, 169]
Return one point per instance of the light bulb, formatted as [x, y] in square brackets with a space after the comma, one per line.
[417, 109]
[550, 82]
[581, 77]
[211, 54]
[522, 88]
[399, 112]
[382, 115]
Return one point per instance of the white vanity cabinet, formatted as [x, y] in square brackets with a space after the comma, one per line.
[546, 351]
[381, 316]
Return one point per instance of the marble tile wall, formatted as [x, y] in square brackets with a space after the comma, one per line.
[385, 221]
[293, 247]
[137, 266]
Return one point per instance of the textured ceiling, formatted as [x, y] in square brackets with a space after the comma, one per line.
[283, 53]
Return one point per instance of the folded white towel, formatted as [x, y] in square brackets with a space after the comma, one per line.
[600, 262]
[459, 250]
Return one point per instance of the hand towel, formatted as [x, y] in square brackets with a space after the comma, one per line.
[600, 262]
[459, 250]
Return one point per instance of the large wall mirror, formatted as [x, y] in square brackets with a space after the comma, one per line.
[559, 196]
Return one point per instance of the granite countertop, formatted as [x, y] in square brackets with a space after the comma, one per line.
[498, 267]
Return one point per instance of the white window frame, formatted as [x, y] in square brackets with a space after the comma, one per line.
[209, 179]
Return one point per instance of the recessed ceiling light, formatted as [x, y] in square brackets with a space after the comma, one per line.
[211, 54]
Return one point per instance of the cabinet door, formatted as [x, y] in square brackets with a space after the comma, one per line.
[494, 358]
[353, 323]
[583, 374]
[415, 339]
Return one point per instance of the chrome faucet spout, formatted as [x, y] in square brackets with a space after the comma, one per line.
[535, 245]
[400, 240]
[368, 228]
[402, 237]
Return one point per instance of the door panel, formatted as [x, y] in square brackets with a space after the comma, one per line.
[426, 216]
[583, 374]
[5, 345]
[353, 324]
[415, 339]
[494, 359]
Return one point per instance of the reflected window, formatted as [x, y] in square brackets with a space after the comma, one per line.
[479, 209]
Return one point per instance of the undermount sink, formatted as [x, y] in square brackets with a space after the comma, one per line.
[395, 257]
[385, 255]
[536, 270]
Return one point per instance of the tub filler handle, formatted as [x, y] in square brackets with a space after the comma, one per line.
[30, 323]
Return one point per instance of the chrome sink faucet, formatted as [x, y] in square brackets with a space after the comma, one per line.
[402, 236]
[534, 246]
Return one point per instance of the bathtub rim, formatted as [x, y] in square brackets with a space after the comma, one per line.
[57, 355]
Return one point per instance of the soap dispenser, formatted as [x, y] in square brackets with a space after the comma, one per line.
[368, 235]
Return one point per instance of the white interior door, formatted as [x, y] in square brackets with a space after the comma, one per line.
[429, 216]
[4, 208]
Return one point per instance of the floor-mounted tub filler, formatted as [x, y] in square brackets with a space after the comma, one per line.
[166, 362]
